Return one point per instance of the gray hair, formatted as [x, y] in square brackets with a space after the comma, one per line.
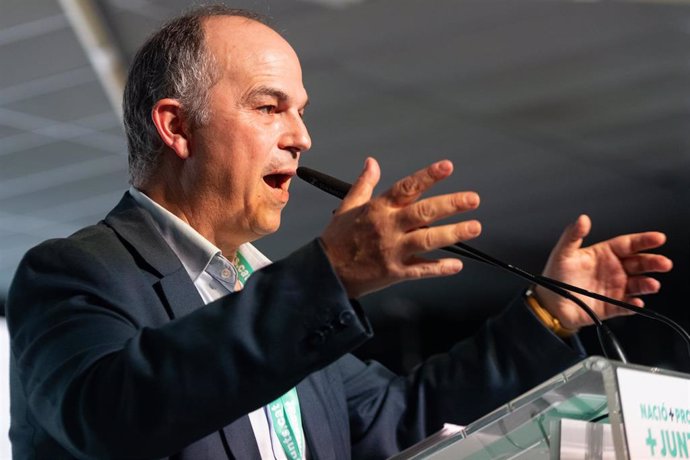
[172, 63]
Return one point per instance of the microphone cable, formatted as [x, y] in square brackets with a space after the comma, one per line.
[609, 343]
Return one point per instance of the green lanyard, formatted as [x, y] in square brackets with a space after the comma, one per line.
[243, 268]
[284, 411]
[286, 417]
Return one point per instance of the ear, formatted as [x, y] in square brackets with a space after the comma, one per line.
[172, 126]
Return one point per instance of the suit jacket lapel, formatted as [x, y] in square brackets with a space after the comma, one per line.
[136, 227]
[315, 421]
[240, 439]
[179, 293]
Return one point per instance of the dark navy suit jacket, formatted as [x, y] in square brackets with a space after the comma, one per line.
[113, 356]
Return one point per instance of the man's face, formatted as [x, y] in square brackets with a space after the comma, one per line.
[242, 160]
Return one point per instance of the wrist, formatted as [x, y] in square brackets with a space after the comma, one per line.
[547, 319]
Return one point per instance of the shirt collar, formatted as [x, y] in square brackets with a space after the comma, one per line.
[193, 250]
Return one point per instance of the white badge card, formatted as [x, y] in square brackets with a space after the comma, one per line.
[656, 414]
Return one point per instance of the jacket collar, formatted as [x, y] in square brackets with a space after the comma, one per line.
[136, 228]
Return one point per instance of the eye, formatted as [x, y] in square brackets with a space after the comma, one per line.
[268, 109]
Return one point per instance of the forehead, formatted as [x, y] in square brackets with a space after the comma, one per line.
[251, 56]
[239, 43]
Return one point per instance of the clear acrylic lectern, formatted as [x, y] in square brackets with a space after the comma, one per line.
[579, 413]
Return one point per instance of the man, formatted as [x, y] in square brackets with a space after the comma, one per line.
[135, 338]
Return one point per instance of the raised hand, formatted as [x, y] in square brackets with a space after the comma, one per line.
[375, 242]
[616, 268]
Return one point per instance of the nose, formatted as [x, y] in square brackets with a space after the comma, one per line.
[296, 136]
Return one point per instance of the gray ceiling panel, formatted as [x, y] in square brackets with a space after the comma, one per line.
[63, 184]
[8, 131]
[65, 104]
[16, 14]
[37, 160]
[36, 57]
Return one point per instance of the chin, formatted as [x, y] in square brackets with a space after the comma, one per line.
[267, 227]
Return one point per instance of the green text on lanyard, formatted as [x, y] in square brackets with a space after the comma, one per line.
[284, 411]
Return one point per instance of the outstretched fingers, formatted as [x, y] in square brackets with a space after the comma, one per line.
[427, 239]
[419, 267]
[363, 187]
[572, 237]
[646, 263]
[626, 245]
[635, 287]
[407, 190]
[641, 285]
[375, 242]
[428, 211]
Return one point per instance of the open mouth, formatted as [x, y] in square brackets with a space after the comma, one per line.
[278, 180]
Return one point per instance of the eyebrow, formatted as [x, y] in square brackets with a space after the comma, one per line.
[282, 96]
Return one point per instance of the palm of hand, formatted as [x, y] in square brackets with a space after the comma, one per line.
[615, 268]
[595, 268]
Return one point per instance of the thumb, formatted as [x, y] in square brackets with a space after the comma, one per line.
[572, 237]
[363, 187]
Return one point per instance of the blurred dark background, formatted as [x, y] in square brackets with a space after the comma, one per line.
[548, 109]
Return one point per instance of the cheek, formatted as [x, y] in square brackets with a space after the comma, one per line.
[266, 132]
[243, 158]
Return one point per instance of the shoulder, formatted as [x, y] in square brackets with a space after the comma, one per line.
[91, 270]
[91, 245]
[92, 260]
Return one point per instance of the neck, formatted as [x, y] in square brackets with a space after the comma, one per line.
[184, 207]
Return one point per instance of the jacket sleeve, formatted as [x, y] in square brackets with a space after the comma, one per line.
[509, 355]
[107, 374]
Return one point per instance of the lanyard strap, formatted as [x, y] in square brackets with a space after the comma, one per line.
[244, 269]
[287, 423]
[285, 413]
